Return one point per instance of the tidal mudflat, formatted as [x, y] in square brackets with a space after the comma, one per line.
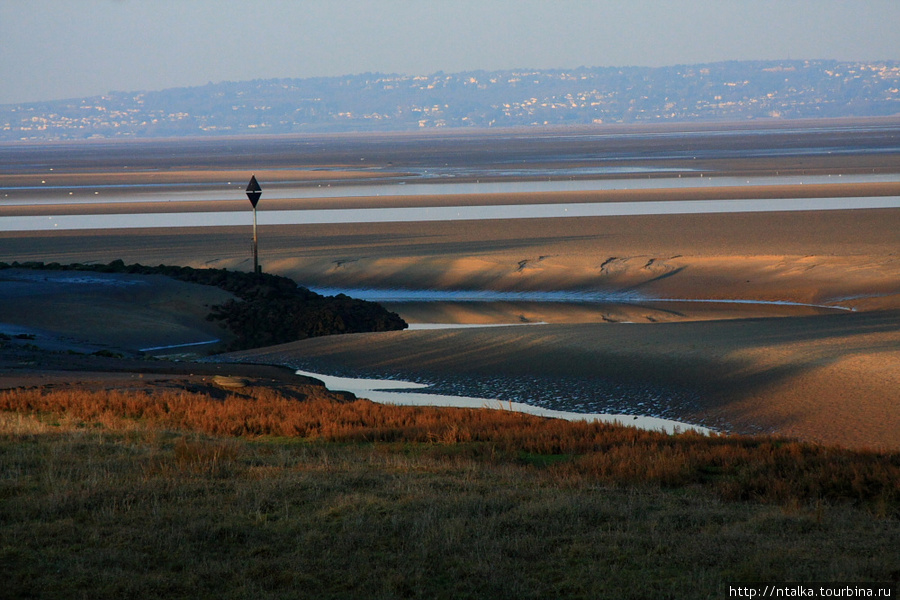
[818, 359]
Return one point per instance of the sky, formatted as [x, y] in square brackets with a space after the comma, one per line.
[54, 49]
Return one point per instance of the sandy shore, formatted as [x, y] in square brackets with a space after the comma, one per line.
[832, 379]
[826, 377]
[843, 257]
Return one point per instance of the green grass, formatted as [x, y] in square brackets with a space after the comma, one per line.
[90, 511]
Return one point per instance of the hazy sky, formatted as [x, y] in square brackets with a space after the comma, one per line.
[52, 49]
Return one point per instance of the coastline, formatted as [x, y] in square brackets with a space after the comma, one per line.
[831, 378]
[822, 377]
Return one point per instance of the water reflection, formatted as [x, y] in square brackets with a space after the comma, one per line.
[486, 312]
[486, 307]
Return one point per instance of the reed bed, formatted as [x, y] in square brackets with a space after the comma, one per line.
[178, 495]
[761, 468]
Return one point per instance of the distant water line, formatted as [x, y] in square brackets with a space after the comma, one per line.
[435, 182]
[440, 213]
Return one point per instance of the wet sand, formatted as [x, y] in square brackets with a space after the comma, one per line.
[83, 204]
[844, 257]
[832, 379]
[826, 377]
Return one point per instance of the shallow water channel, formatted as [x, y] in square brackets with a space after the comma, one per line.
[583, 398]
[440, 213]
[391, 391]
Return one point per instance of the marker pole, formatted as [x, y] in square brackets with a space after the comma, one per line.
[255, 245]
[254, 191]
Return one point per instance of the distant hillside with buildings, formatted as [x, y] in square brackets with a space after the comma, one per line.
[726, 91]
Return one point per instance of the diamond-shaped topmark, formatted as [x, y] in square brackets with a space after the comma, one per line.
[253, 191]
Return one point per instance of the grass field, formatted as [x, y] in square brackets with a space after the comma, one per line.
[177, 495]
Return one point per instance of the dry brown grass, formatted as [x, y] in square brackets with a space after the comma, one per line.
[122, 506]
[574, 453]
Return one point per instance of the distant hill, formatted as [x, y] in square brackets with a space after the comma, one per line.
[510, 98]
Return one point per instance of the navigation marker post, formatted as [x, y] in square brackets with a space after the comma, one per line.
[253, 193]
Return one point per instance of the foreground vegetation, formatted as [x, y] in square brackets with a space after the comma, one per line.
[270, 309]
[166, 495]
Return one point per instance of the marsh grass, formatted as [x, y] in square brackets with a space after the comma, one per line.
[176, 495]
[574, 453]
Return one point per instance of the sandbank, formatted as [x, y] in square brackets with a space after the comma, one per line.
[830, 379]
[845, 257]
[825, 376]
[83, 205]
